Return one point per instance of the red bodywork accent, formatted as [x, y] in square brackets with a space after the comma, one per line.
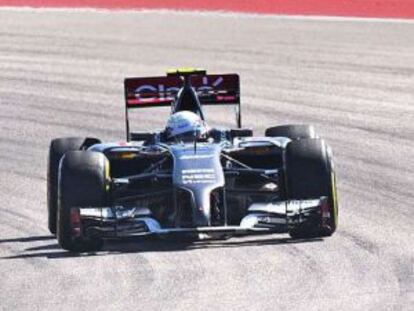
[75, 222]
[326, 213]
[145, 101]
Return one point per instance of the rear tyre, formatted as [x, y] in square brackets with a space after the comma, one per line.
[58, 147]
[310, 174]
[294, 132]
[83, 182]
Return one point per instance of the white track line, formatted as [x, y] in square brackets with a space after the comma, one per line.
[214, 13]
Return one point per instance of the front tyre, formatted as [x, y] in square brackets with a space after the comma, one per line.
[309, 175]
[84, 182]
[57, 149]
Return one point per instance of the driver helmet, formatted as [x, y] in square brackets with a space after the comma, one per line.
[185, 125]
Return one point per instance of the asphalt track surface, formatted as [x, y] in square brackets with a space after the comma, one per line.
[61, 74]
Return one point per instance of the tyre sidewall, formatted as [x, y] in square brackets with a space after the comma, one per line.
[309, 174]
[58, 147]
[83, 182]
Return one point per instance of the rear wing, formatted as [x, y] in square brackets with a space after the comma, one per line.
[212, 89]
[161, 91]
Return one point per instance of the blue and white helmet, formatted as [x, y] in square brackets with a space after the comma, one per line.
[185, 123]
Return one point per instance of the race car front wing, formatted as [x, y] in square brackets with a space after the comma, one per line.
[119, 222]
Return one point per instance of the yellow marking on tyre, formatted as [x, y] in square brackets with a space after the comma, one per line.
[107, 175]
[334, 199]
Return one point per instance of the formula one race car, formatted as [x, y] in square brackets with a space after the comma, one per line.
[189, 179]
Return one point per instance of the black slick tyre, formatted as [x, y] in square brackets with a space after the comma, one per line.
[58, 147]
[294, 131]
[84, 182]
[309, 174]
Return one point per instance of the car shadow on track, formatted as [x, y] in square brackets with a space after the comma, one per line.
[139, 245]
[28, 239]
